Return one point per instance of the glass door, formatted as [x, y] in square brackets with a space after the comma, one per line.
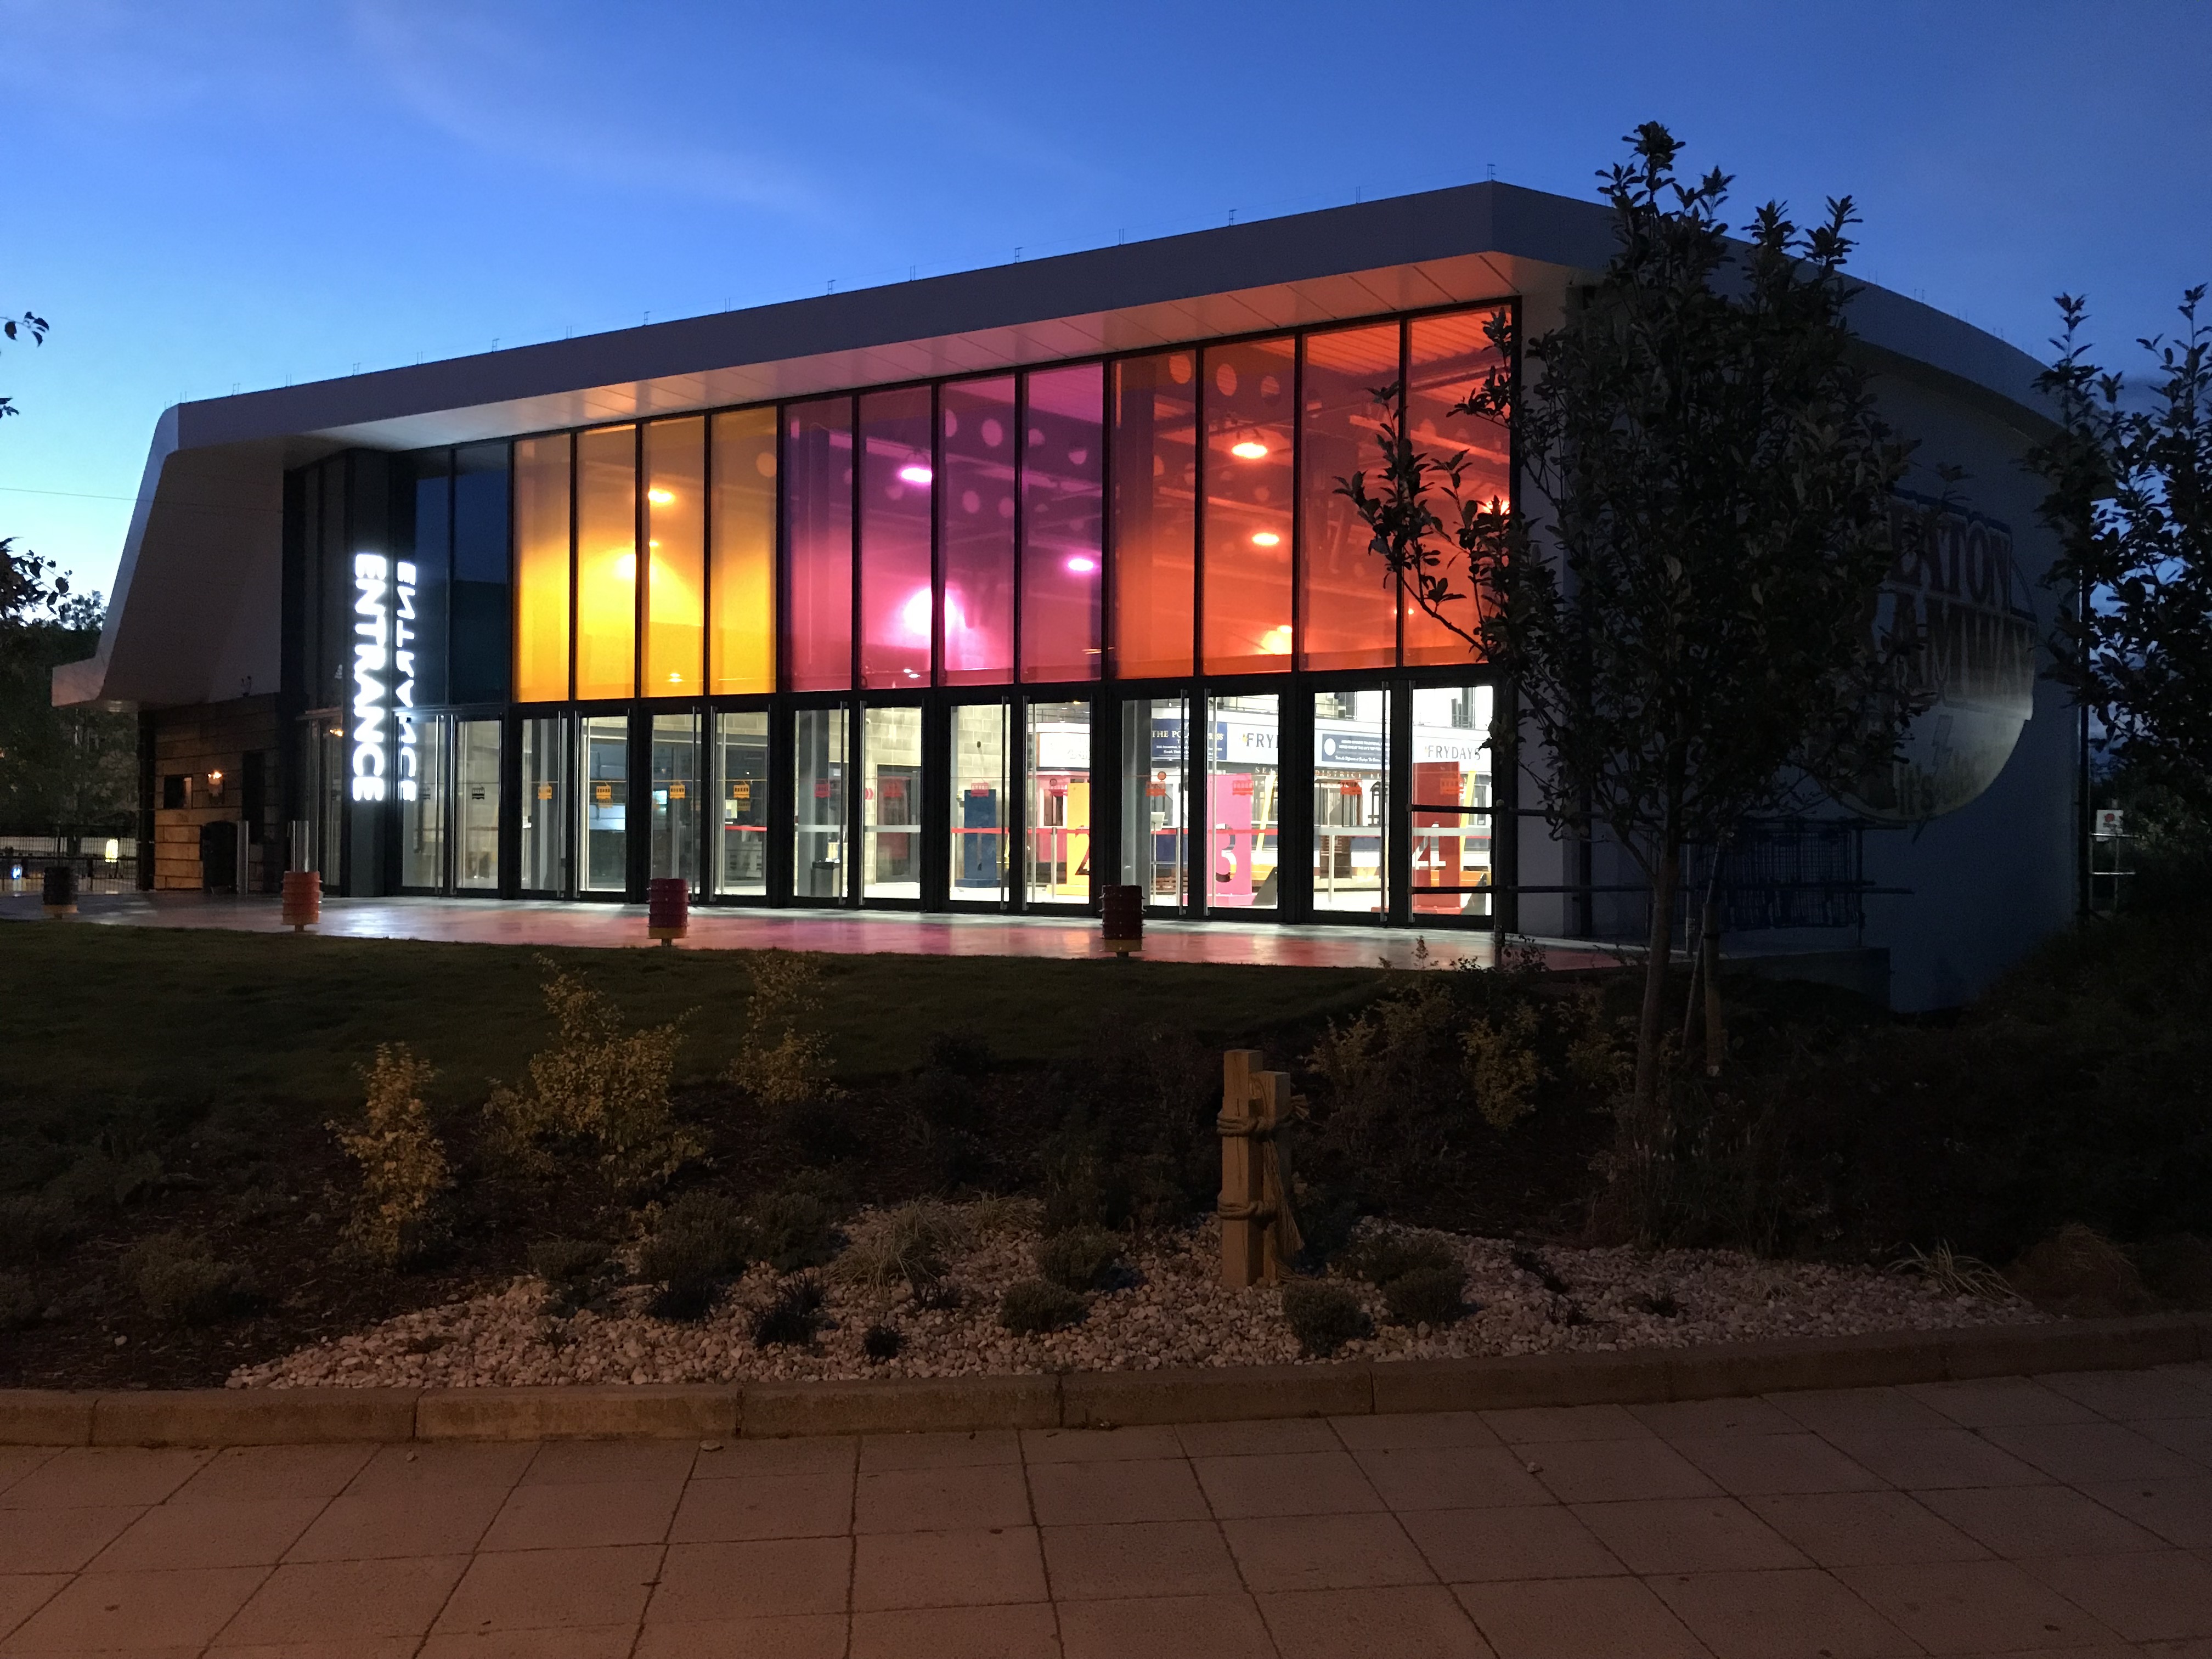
[1351, 770]
[1452, 802]
[422, 809]
[1241, 780]
[476, 805]
[977, 790]
[674, 829]
[604, 833]
[546, 806]
[740, 852]
[818, 863]
[1155, 818]
[890, 804]
[1057, 870]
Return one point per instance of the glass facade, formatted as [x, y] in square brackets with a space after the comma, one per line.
[987, 639]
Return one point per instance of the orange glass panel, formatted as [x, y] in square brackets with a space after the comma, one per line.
[541, 569]
[1155, 414]
[676, 561]
[606, 562]
[744, 552]
[1448, 357]
[1350, 613]
[1247, 522]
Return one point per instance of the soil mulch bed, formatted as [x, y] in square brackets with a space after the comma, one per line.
[1170, 1311]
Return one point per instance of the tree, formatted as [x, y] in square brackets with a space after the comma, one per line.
[1687, 609]
[2130, 494]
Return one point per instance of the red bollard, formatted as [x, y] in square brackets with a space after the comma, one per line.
[668, 909]
[1121, 919]
[303, 899]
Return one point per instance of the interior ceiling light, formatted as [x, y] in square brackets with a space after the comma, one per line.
[1082, 564]
[1266, 539]
[915, 473]
[1249, 450]
[660, 497]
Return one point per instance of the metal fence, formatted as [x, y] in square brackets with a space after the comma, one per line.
[25, 860]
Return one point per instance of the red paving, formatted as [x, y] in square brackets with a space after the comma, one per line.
[608, 926]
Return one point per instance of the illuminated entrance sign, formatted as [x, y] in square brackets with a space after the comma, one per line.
[383, 644]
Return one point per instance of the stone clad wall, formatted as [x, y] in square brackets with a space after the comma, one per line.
[191, 743]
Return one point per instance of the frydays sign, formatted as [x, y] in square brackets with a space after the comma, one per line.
[386, 765]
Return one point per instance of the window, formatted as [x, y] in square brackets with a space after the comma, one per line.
[744, 552]
[431, 516]
[1057, 870]
[541, 569]
[896, 483]
[1063, 549]
[605, 805]
[976, 530]
[741, 839]
[1154, 821]
[817, 870]
[890, 804]
[1448, 356]
[176, 792]
[1155, 513]
[675, 827]
[1241, 783]
[1246, 530]
[545, 805]
[676, 561]
[606, 562]
[1349, 617]
[978, 793]
[478, 634]
[422, 817]
[1451, 801]
[817, 525]
[1350, 769]
[475, 805]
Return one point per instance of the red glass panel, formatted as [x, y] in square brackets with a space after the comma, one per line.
[817, 517]
[1350, 613]
[1247, 522]
[1448, 356]
[896, 481]
[976, 530]
[1063, 489]
[1155, 500]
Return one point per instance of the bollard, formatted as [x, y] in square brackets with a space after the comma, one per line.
[303, 899]
[1259, 1236]
[668, 909]
[1121, 919]
[59, 898]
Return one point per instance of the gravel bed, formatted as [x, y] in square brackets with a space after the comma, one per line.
[1174, 1313]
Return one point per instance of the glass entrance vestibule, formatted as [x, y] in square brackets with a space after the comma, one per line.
[1311, 800]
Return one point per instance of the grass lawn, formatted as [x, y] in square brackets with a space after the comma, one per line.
[179, 1020]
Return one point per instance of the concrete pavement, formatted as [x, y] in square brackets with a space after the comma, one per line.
[2065, 1515]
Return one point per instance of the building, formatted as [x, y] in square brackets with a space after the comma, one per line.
[980, 591]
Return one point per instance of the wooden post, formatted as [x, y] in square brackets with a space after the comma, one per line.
[1244, 1223]
[1272, 1100]
[1716, 1026]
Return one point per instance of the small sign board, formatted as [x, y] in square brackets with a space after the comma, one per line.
[2111, 823]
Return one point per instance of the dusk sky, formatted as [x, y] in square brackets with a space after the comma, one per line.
[202, 197]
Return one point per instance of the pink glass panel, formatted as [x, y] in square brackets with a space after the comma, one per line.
[1349, 618]
[1449, 356]
[976, 530]
[895, 484]
[1063, 490]
[1155, 415]
[1246, 527]
[818, 517]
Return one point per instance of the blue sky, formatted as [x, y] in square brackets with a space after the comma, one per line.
[205, 196]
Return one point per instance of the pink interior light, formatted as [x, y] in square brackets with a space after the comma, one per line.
[915, 472]
[913, 615]
[1082, 564]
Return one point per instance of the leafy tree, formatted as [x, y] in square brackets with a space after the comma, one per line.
[2130, 494]
[1687, 609]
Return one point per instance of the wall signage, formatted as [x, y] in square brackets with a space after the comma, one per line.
[385, 756]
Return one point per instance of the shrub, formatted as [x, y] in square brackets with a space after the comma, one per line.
[1082, 1258]
[571, 1267]
[779, 1064]
[696, 1242]
[1035, 1306]
[598, 1086]
[882, 1341]
[404, 1170]
[19, 1304]
[791, 1318]
[180, 1281]
[1323, 1317]
[792, 1228]
[33, 1225]
[1501, 1065]
[2079, 1274]
[907, 1244]
[1379, 1256]
[1427, 1296]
